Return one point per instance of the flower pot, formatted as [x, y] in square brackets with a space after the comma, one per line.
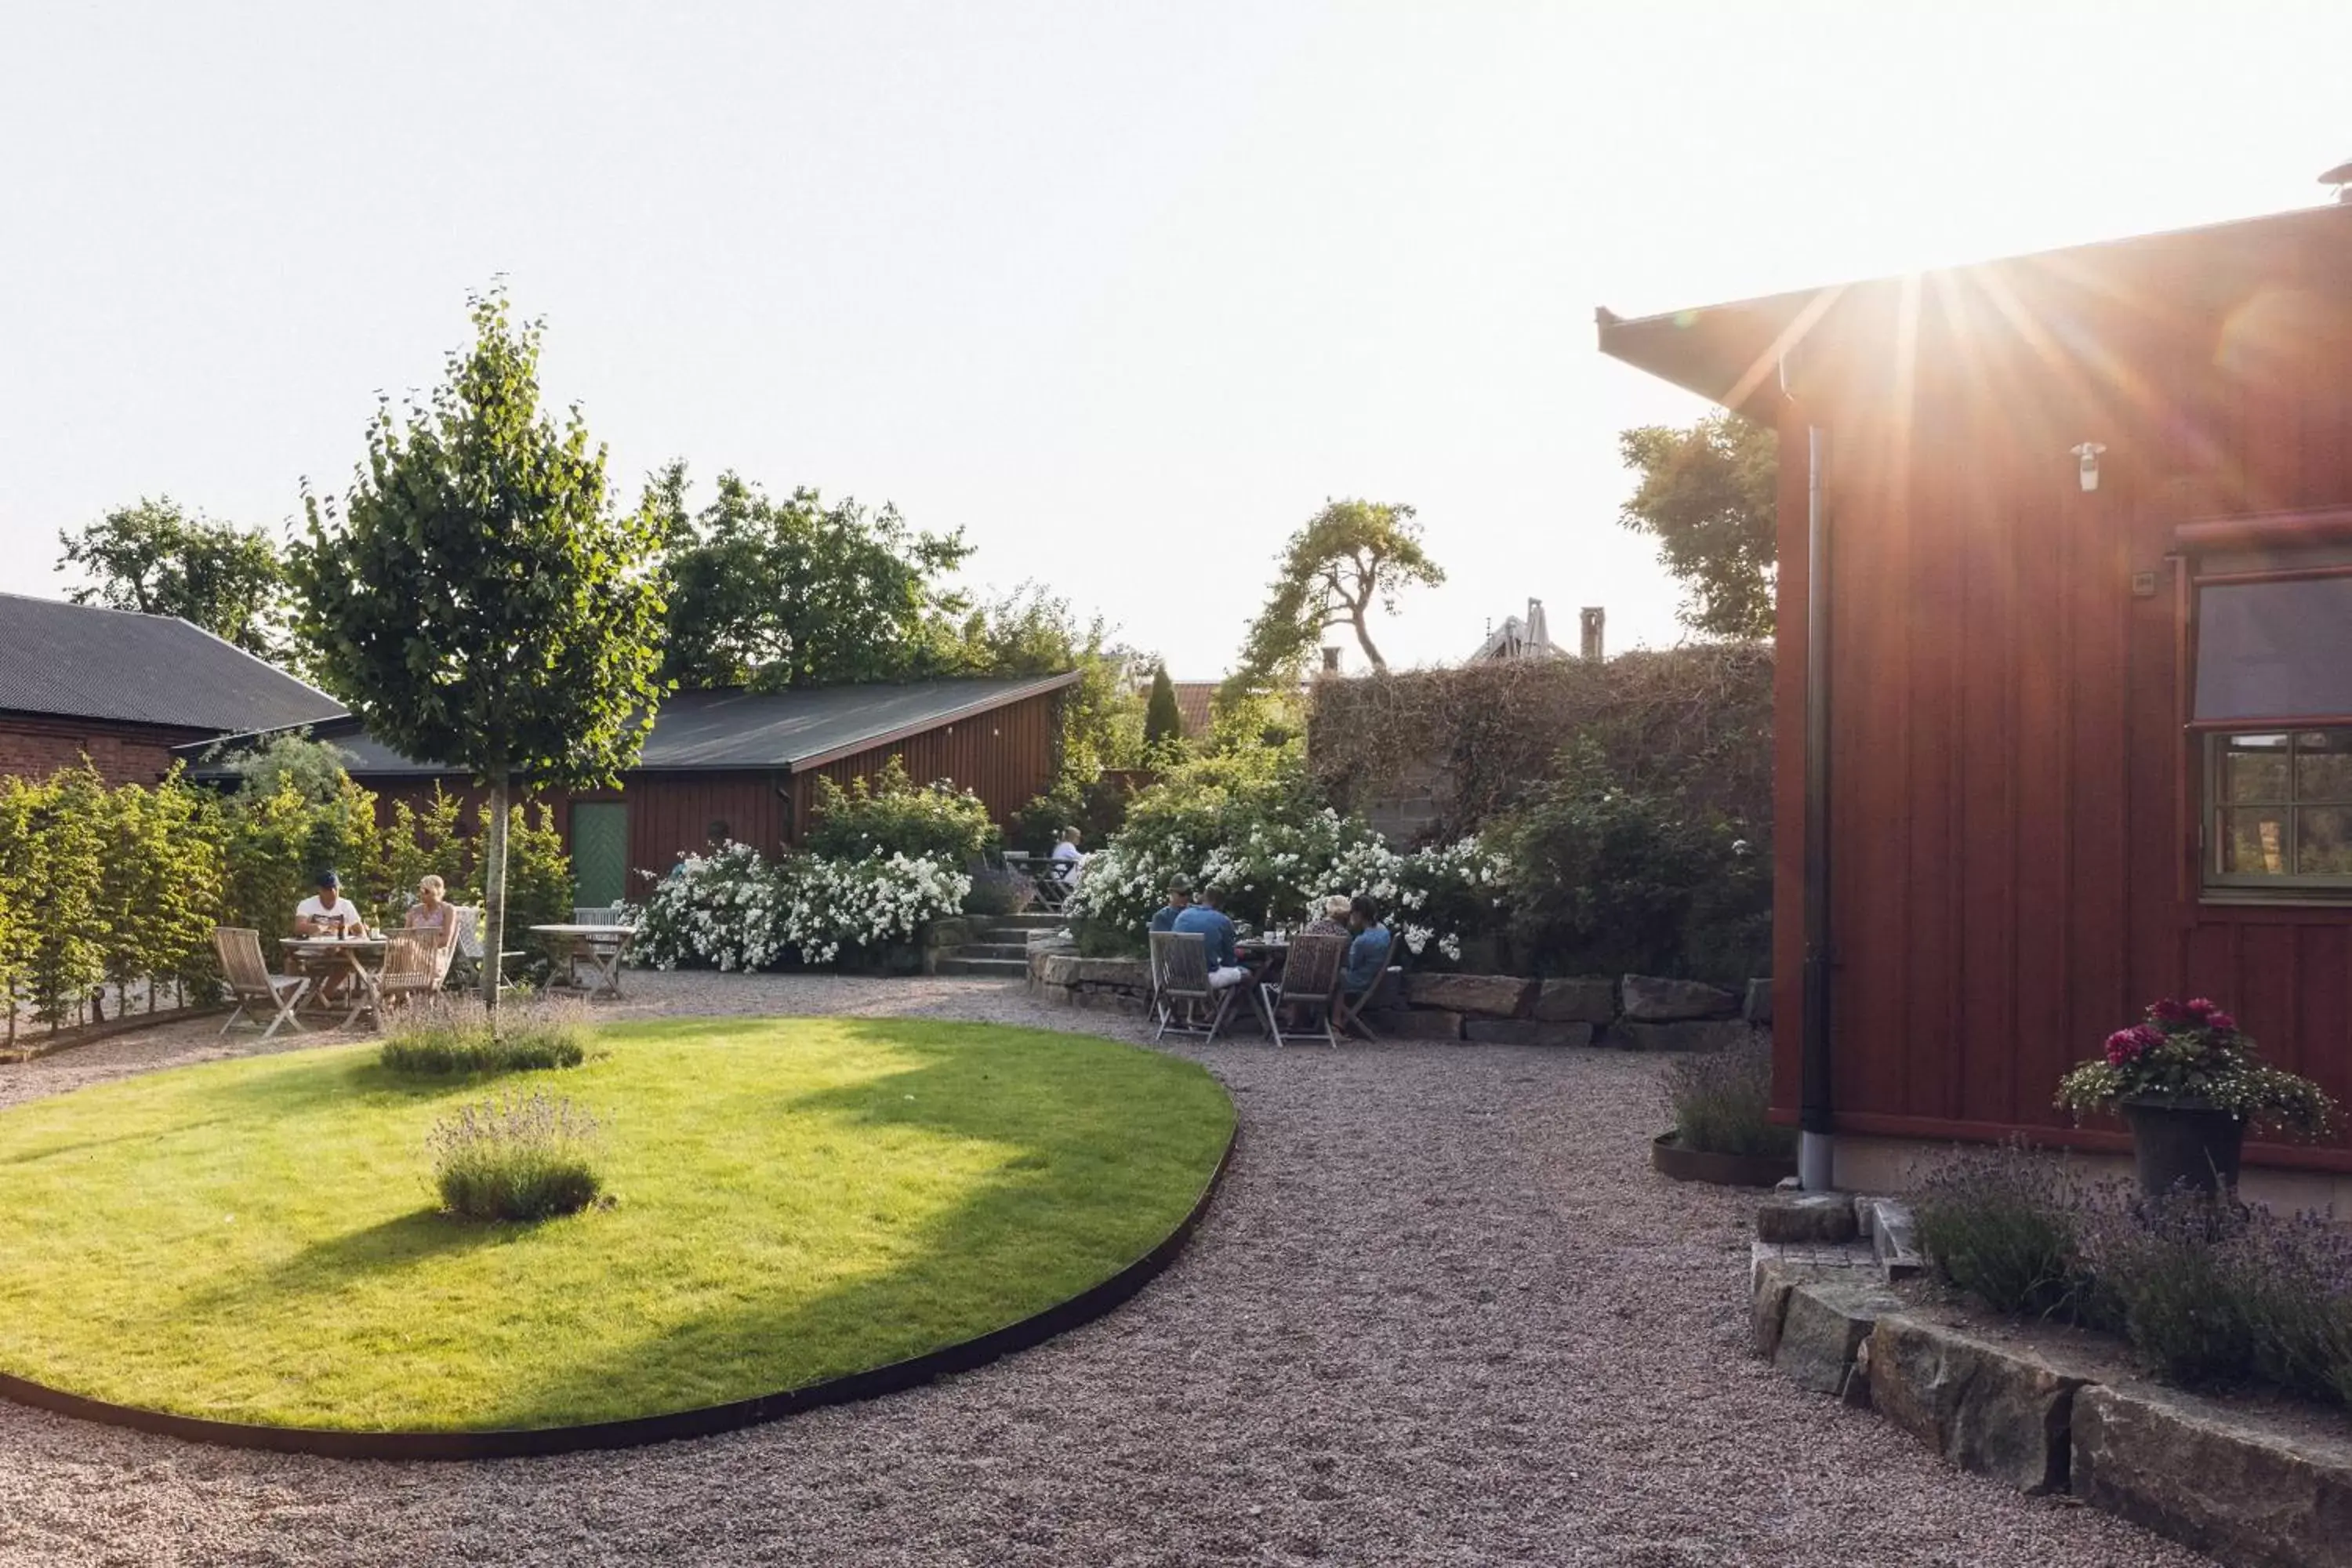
[2177, 1142]
[1669, 1158]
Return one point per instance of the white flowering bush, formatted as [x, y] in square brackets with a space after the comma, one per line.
[1277, 854]
[732, 909]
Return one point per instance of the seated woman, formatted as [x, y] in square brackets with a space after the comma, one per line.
[1333, 920]
[1068, 859]
[433, 920]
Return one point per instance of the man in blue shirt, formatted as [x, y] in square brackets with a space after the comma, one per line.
[1180, 898]
[1219, 935]
[1368, 953]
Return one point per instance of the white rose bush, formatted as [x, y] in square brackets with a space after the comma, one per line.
[734, 910]
[1278, 855]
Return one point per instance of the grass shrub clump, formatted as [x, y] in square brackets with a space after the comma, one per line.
[1722, 1102]
[454, 1036]
[519, 1157]
[2005, 1225]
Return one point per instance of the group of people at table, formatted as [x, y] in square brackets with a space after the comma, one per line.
[1357, 918]
[328, 916]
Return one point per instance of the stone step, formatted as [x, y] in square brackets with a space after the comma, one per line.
[1894, 1238]
[1036, 920]
[1019, 949]
[1023, 936]
[990, 968]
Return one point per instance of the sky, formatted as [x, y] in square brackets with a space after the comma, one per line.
[1126, 292]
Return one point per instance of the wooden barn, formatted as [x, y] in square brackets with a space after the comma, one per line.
[2064, 692]
[744, 765]
[120, 689]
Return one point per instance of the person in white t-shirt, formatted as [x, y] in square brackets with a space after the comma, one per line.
[1068, 859]
[327, 913]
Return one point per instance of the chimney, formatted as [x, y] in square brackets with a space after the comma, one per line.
[1590, 621]
[1330, 659]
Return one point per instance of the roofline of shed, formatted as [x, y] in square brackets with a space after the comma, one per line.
[1785, 319]
[1037, 688]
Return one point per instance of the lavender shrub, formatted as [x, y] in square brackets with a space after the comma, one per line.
[2005, 1224]
[516, 1157]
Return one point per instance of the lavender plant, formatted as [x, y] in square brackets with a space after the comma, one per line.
[2169, 1266]
[516, 1157]
[1722, 1101]
[2004, 1224]
[447, 1036]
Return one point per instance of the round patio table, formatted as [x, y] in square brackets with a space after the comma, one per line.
[331, 953]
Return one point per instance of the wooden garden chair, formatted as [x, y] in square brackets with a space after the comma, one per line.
[1350, 1015]
[252, 986]
[1308, 987]
[467, 945]
[1180, 991]
[411, 969]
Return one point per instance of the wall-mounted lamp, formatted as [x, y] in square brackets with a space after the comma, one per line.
[2088, 455]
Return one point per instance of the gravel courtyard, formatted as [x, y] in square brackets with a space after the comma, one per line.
[1442, 1313]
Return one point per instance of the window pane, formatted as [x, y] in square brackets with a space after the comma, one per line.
[2323, 765]
[2324, 845]
[2253, 842]
[2274, 650]
[2255, 767]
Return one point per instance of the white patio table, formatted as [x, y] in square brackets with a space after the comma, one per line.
[603, 946]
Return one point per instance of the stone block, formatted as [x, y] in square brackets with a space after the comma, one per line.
[953, 931]
[1589, 999]
[1771, 1285]
[2188, 1469]
[1757, 1008]
[1128, 972]
[1054, 968]
[1648, 999]
[1486, 996]
[1718, 1035]
[1986, 1407]
[1418, 1024]
[1525, 1032]
[1811, 1219]
[1822, 1329]
[1894, 1237]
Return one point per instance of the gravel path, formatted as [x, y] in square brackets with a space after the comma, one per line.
[1442, 1313]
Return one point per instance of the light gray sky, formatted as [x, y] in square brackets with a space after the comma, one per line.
[1126, 291]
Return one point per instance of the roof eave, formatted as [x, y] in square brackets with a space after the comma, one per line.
[989, 704]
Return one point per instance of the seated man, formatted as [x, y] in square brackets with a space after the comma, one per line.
[1180, 898]
[327, 913]
[1368, 955]
[1209, 921]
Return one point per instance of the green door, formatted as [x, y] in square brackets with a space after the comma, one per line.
[600, 852]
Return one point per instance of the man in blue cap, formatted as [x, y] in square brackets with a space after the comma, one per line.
[327, 913]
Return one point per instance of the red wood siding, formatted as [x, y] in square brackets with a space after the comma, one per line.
[35, 746]
[2014, 801]
[1004, 756]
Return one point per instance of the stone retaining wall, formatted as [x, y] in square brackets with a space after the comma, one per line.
[1636, 1013]
[2048, 1415]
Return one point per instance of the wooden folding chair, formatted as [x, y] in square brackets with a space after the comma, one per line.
[1310, 980]
[467, 943]
[1350, 1015]
[1181, 989]
[411, 969]
[250, 981]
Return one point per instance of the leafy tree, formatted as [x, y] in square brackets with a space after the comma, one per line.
[778, 593]
[479, 602]
[155, 558]
[1163, 721]
[1032, 632]
[895, 815]
[1708, 496]
[1351, 555]
[53, 862]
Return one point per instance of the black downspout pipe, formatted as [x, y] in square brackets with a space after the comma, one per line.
[1815, 1166]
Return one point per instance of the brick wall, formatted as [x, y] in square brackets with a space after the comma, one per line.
[34, 747]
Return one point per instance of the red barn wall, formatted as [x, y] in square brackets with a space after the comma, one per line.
[1005, 756]
[2014, 801]
[34, 746]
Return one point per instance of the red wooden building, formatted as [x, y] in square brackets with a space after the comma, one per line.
[744, 765]
[120, 689]
[2064, 701]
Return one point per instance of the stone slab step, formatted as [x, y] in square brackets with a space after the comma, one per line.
[1021, 935]
[990, 968]
[1037, 921]
[1894, 1237]
[1019, 949]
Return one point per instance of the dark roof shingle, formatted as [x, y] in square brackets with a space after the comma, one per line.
[734, 730]
[85, 662]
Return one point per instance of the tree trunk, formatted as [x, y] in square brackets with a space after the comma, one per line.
[494, 892]
[1364, 637]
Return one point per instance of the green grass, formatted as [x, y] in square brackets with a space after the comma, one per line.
[259, 1240]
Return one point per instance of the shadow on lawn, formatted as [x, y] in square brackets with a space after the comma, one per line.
[1010, 1248]
[324, 1268]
